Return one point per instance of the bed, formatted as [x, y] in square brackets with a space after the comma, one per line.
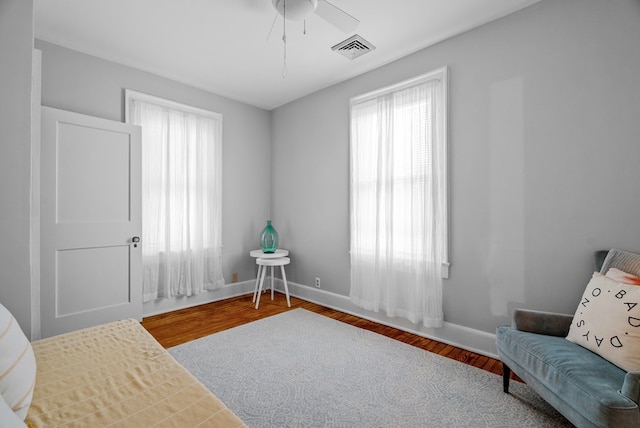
[116, 375]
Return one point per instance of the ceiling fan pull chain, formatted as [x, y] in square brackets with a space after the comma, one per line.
[284, 65]
[273, 24]
[284, 37]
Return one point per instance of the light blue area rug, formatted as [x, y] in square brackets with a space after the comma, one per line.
[300, 369]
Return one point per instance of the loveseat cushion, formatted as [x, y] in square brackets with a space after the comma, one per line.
[575, 378]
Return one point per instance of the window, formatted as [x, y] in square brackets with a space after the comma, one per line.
[399, 201]
[181, 196]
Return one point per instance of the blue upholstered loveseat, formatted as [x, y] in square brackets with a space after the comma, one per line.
[587, 389]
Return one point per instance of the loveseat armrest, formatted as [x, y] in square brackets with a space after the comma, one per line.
[548, 323]
[631, 386]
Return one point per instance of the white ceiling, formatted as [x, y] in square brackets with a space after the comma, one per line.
[221, 46]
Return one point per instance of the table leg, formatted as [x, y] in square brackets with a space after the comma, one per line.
[255, 290]
[272, 282]
[260, 289]
[286, 289]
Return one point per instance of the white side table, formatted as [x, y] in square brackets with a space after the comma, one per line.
[259, 254]
[273, 262]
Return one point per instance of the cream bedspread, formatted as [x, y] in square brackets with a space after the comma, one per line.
[118, 375]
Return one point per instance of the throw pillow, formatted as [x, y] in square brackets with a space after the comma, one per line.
[17, 365]
[607, 321]
[625, 278]
[8, 419]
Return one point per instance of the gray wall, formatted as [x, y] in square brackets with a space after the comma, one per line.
[545, 155]
[86, 84]
[545, 148]
[16, 47]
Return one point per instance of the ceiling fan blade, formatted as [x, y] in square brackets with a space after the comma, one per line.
[336, 16]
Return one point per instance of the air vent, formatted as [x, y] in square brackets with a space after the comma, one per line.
[353, 47]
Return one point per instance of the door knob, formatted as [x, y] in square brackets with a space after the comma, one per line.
[135, 241]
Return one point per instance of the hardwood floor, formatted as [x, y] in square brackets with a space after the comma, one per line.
[183, 325]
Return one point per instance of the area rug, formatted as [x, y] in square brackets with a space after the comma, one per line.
[301, 369]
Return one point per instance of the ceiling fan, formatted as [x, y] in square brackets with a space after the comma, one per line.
[298, 10]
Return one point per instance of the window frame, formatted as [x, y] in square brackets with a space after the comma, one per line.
[184, 108]
[131, 94]
[442, 74]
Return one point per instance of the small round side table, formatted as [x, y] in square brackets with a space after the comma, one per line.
[259, 254]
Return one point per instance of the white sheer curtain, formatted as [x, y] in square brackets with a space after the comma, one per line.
[399, 203]
[181, 198]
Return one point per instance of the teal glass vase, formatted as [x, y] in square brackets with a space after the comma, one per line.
[269, 238]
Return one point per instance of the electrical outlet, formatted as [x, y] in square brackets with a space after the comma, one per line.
[317, 282]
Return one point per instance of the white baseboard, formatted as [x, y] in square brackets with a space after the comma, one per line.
[162, 306]
[473, 340]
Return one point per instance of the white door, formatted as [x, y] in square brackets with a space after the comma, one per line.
[90, 220]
